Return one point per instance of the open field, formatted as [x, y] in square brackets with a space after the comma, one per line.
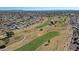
[58, 43]
[38, 41]
[34, 39]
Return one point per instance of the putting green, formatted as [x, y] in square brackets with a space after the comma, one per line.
[33, 45]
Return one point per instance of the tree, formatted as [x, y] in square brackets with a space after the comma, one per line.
[9, 34]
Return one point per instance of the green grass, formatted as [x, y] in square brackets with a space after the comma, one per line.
[33, 45]
[45, 23]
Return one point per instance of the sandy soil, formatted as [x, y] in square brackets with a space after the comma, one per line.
[27, 37]
[59, 43]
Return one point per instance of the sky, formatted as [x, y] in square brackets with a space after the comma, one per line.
[39, 8]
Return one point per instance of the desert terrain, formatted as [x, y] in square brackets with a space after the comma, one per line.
[22, 37]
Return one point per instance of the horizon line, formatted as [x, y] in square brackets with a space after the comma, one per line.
[39, 8]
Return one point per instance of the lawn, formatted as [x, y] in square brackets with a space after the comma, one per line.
[33, 45]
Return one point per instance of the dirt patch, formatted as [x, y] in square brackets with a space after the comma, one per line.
[59, 43]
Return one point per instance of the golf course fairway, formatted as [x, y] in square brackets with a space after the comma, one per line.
[33, 45]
